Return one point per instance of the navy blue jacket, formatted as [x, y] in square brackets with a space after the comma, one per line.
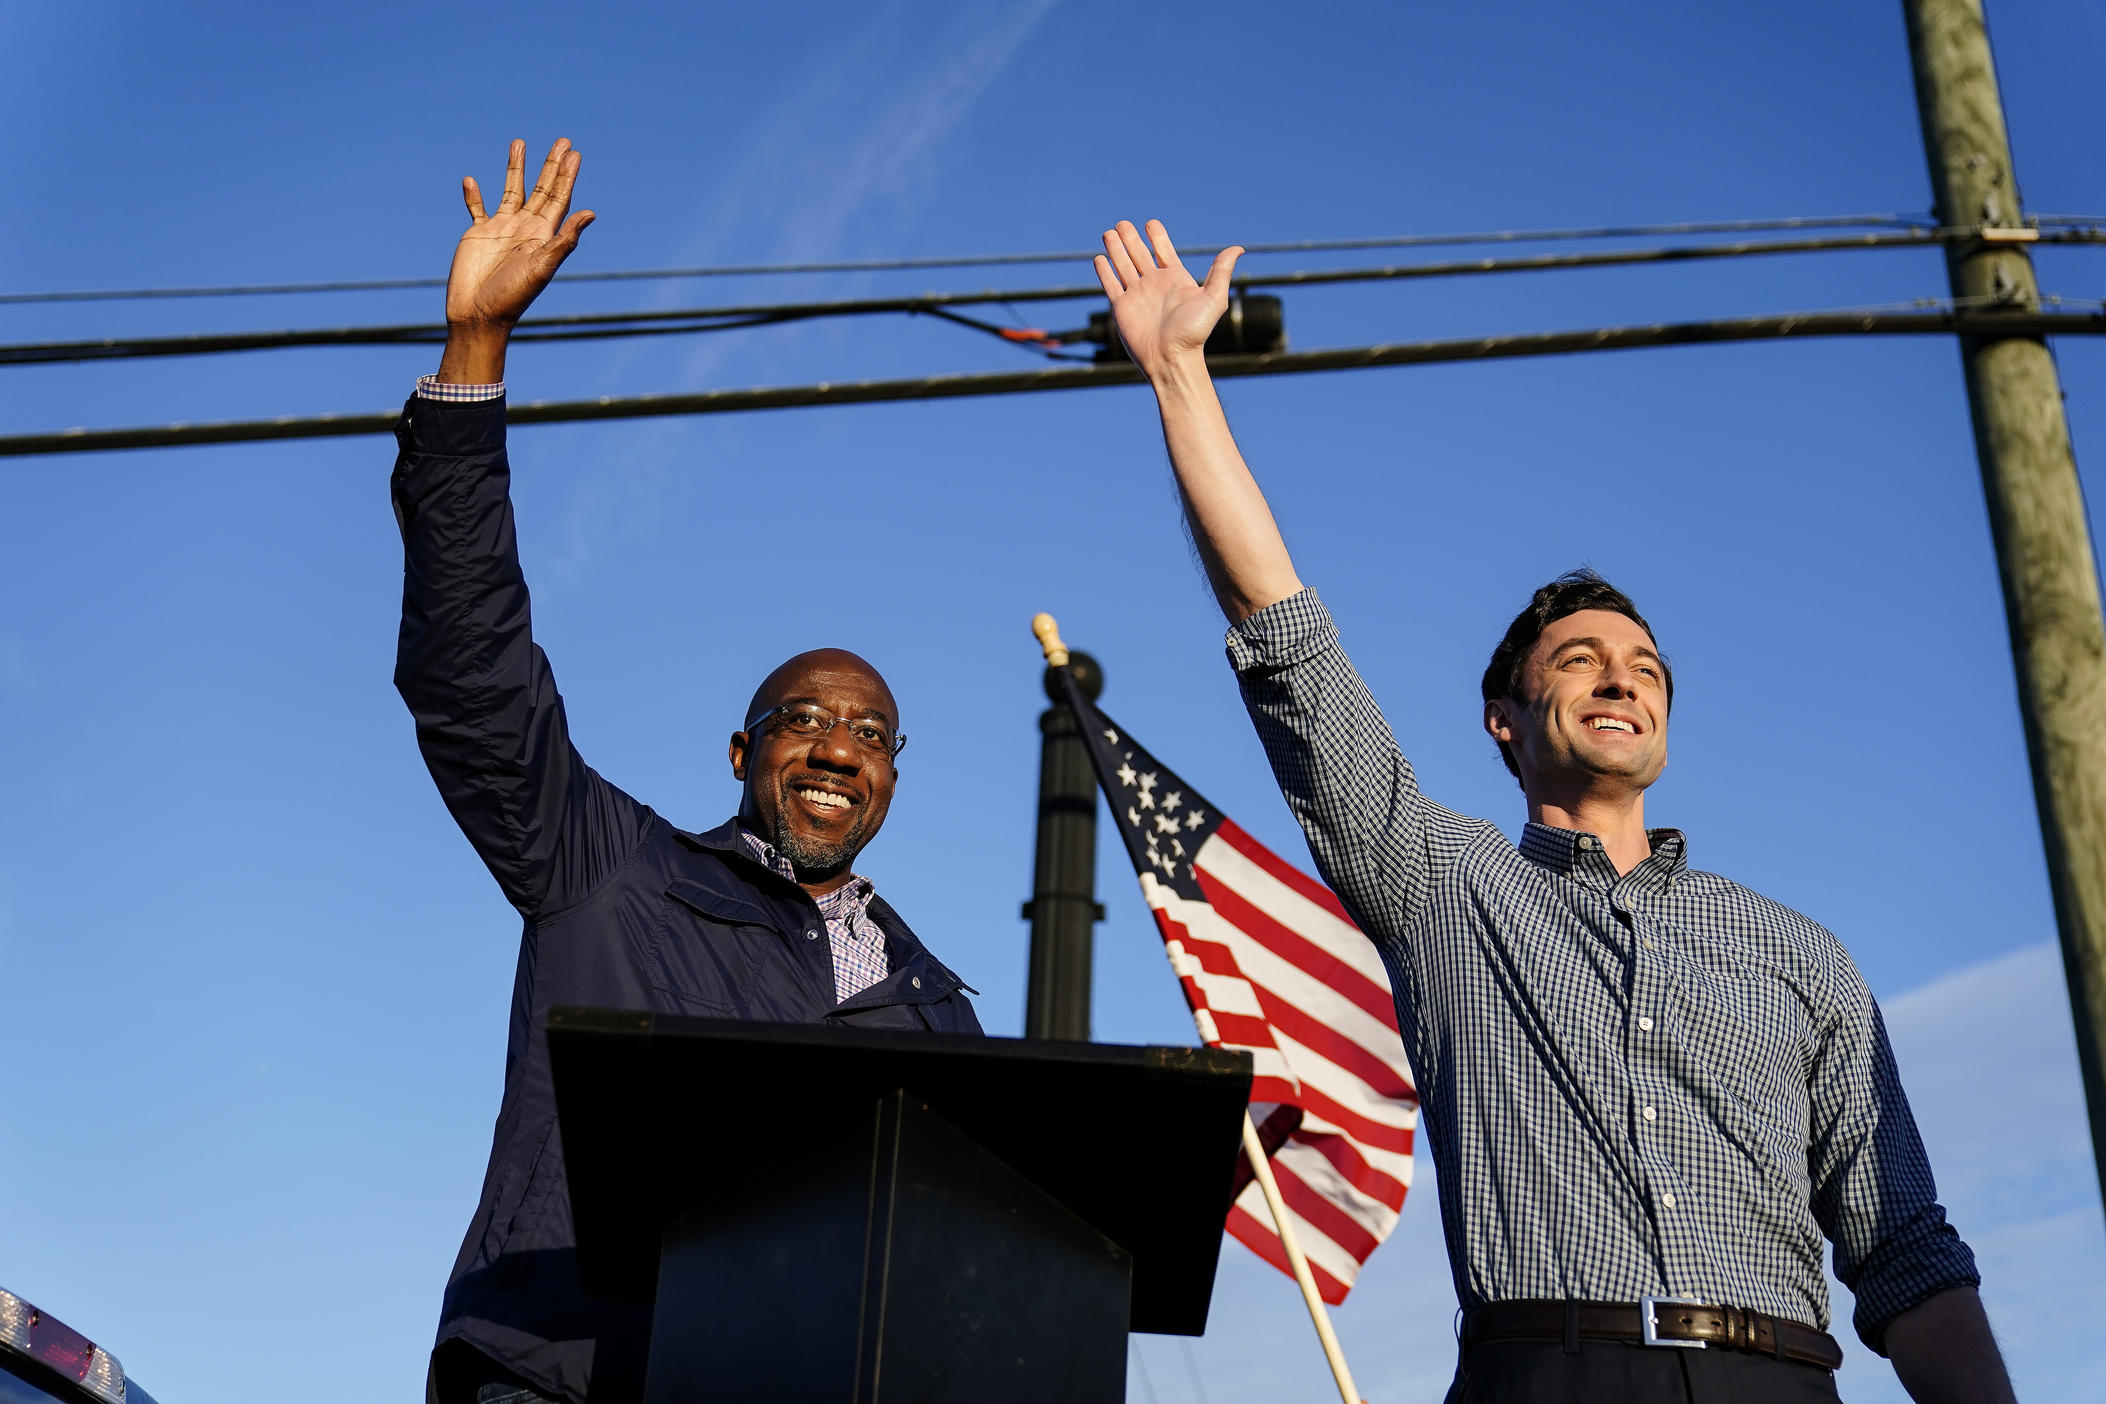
[622, 909]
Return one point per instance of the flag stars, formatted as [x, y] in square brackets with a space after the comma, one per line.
[1133, 816]
[1172, 800]
[1164, 824]
[1111, 738]
[1194, 819]
[1126, 775]
[1148, 782]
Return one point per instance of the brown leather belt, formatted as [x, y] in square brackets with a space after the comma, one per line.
[1652, 1321]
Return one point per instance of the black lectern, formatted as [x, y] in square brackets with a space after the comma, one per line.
[846, 1214]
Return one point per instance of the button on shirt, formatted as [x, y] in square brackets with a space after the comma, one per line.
[1649, 1083]
[857, 942]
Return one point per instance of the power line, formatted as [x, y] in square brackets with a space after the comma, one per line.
[887, 265]
[1804, 324]
[601, 325]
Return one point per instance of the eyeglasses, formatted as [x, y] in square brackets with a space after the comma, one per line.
[808, 721]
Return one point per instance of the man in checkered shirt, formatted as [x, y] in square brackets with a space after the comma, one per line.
[1650, 1092]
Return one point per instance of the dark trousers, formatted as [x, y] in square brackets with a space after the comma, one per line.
[1610, 1372]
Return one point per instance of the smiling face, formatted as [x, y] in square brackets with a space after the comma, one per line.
[1592, 706]
[818, 798]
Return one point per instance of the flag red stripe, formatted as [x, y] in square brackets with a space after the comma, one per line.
[1213, 957]
[1322, 1215]
[1271, 1089]
[1243, 1030]
[1366, 1130]
[1346, 1159]
[1318, 1037]
[1260, 1239]
[1298, 950]
[1286, 872]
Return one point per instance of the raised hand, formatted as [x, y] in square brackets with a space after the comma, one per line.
[1163, 316]
[505, 259]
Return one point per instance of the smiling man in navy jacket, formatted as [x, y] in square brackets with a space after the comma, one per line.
[760, 918]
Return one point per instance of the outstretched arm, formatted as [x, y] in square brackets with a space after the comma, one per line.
[1164, 318]
[504, 261]
[1374, 838]
[489, 719]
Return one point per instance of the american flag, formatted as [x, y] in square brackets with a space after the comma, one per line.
[1270, 962]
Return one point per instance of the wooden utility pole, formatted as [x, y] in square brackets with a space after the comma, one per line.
[2036, 508]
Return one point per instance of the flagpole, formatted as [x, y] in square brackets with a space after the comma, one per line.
[1057, 654]
[1261, 1166]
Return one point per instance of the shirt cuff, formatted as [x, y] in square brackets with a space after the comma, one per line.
[1927, 1261]
[1282, 634]
[429, 387]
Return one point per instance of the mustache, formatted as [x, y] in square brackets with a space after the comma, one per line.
[820, 779]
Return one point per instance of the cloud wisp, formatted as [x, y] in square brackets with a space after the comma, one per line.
[853, 141]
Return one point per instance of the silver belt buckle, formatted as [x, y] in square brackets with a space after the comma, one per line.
[1649, 1322]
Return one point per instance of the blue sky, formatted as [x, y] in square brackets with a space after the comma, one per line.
[255, 982]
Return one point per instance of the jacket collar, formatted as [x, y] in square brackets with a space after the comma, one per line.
[904, 949]
[724, 838]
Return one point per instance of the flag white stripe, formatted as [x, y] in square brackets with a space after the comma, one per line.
[1319, 1174]
[1343, 1087]
[1317, 1246]
[1290, 909]
[1260, 966]
[1319, 1001]
[1390, 1163]
[1330, 1004]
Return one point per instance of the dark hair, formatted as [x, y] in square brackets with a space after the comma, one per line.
[1570, 593]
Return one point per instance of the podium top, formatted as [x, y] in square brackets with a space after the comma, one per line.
[661, 1112]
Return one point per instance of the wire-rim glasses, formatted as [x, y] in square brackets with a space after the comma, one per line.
[809, 721]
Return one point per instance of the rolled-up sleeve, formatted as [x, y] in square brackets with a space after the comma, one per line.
[1873, 1193]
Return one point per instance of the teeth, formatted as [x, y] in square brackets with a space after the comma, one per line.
[825, 799]
[1612, 724]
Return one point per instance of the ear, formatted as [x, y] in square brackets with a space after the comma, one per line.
[740, 741]
[1497, 723]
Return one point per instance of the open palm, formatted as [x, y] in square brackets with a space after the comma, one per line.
[504, 260]
[1162, 314]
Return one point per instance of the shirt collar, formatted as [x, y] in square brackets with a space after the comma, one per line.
[1573, 853]
[847, 899]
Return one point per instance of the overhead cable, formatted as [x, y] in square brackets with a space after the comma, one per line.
[1804, 324]
[888, 265]
[601, 325]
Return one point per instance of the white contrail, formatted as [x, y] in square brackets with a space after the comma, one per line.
[852, 139]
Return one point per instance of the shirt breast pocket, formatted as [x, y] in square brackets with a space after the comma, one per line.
[708, 948]
[1749, 1030]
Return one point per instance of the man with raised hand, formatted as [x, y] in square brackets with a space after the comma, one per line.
[759, 918]
[1650, 1091]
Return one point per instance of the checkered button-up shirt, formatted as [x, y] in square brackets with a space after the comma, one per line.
[1649, 1084]
[430, 387]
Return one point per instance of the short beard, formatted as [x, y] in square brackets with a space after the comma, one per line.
[816, 861]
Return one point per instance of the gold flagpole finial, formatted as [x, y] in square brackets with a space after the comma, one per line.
[1049, 639]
